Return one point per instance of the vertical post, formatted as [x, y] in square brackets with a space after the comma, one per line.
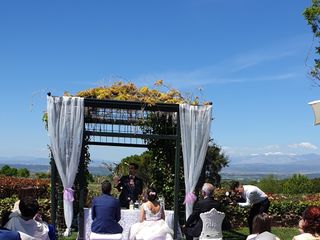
[81, 224]
[176, 177]
[53, 192]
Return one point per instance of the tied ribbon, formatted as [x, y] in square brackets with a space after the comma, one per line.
[190, 198]
[68, 194]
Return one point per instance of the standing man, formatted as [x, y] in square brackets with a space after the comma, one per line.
[130, 186]
[193, 226]
[254, 197]
[106, 212]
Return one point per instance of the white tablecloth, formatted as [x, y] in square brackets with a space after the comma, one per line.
[128, 218]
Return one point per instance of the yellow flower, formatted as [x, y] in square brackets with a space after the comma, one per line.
[158, 82]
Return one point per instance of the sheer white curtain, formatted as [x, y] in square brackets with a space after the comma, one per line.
[65, 128]
[316, 111]
[195, 122]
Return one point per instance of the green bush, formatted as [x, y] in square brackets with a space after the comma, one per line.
[297, 184]
[271, 184]
[284, 212]
[6, 205]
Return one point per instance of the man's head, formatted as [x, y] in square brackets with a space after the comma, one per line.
[133, 167]
[236, 187]
[29, 207]
[27, 191]
[261, 223]
[207, 190]
[106, 187]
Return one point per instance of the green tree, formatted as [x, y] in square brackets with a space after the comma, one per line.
[312, 15]
[143, 161]
[215, 160]
[23, 172]
[271, 184]
[315, 185]
[6, 170]
[297, 184]
[42, 175]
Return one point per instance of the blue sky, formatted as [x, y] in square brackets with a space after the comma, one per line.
[250, 58]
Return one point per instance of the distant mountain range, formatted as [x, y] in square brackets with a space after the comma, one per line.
[275, 164]
[250, 165]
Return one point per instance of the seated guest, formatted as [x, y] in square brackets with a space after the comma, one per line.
[106, 212]
[25, 223]
[24, 192]
[193, 226]
[309, 224]
[9, 235]
[152, 223]
[261, 228]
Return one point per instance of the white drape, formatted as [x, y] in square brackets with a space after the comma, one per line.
[195, 122]
[316, 111]
[65, 129]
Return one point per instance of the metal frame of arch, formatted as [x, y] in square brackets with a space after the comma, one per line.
[118, 123]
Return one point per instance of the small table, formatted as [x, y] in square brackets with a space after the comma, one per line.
[128, 218]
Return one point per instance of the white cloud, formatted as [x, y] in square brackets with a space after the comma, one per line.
[268, 150]
[224, 72]
[255, 58]
[270, 147]
[305, 145]
[274, 153]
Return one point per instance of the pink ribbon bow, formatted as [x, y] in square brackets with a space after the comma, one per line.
[68, 194]
[190, 198]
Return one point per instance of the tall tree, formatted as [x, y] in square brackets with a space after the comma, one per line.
[215, 160]
[312, 15]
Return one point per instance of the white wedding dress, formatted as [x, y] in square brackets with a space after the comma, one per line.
[152, 228]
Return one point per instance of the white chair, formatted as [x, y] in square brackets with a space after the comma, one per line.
[99, 236]
[212, 224]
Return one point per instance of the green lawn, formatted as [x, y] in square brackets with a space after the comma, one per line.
[238, 234]
[72, 237]
[242, 233]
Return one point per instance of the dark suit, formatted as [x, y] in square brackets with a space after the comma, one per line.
[106, 214]
[8, 234]
[193, 226]
[128, 191]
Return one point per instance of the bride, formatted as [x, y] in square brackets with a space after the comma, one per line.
[152, 223]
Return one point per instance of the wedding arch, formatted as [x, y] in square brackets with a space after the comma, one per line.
[74, 122]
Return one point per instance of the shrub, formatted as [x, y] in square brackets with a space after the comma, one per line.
[10, 186]
[297, 184]
[271, 183]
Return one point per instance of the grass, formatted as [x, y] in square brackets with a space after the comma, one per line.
[72, 237]
[242, 233]
[237, 234]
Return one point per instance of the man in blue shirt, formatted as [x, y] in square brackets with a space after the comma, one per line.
[9, 235]
[106, 212]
